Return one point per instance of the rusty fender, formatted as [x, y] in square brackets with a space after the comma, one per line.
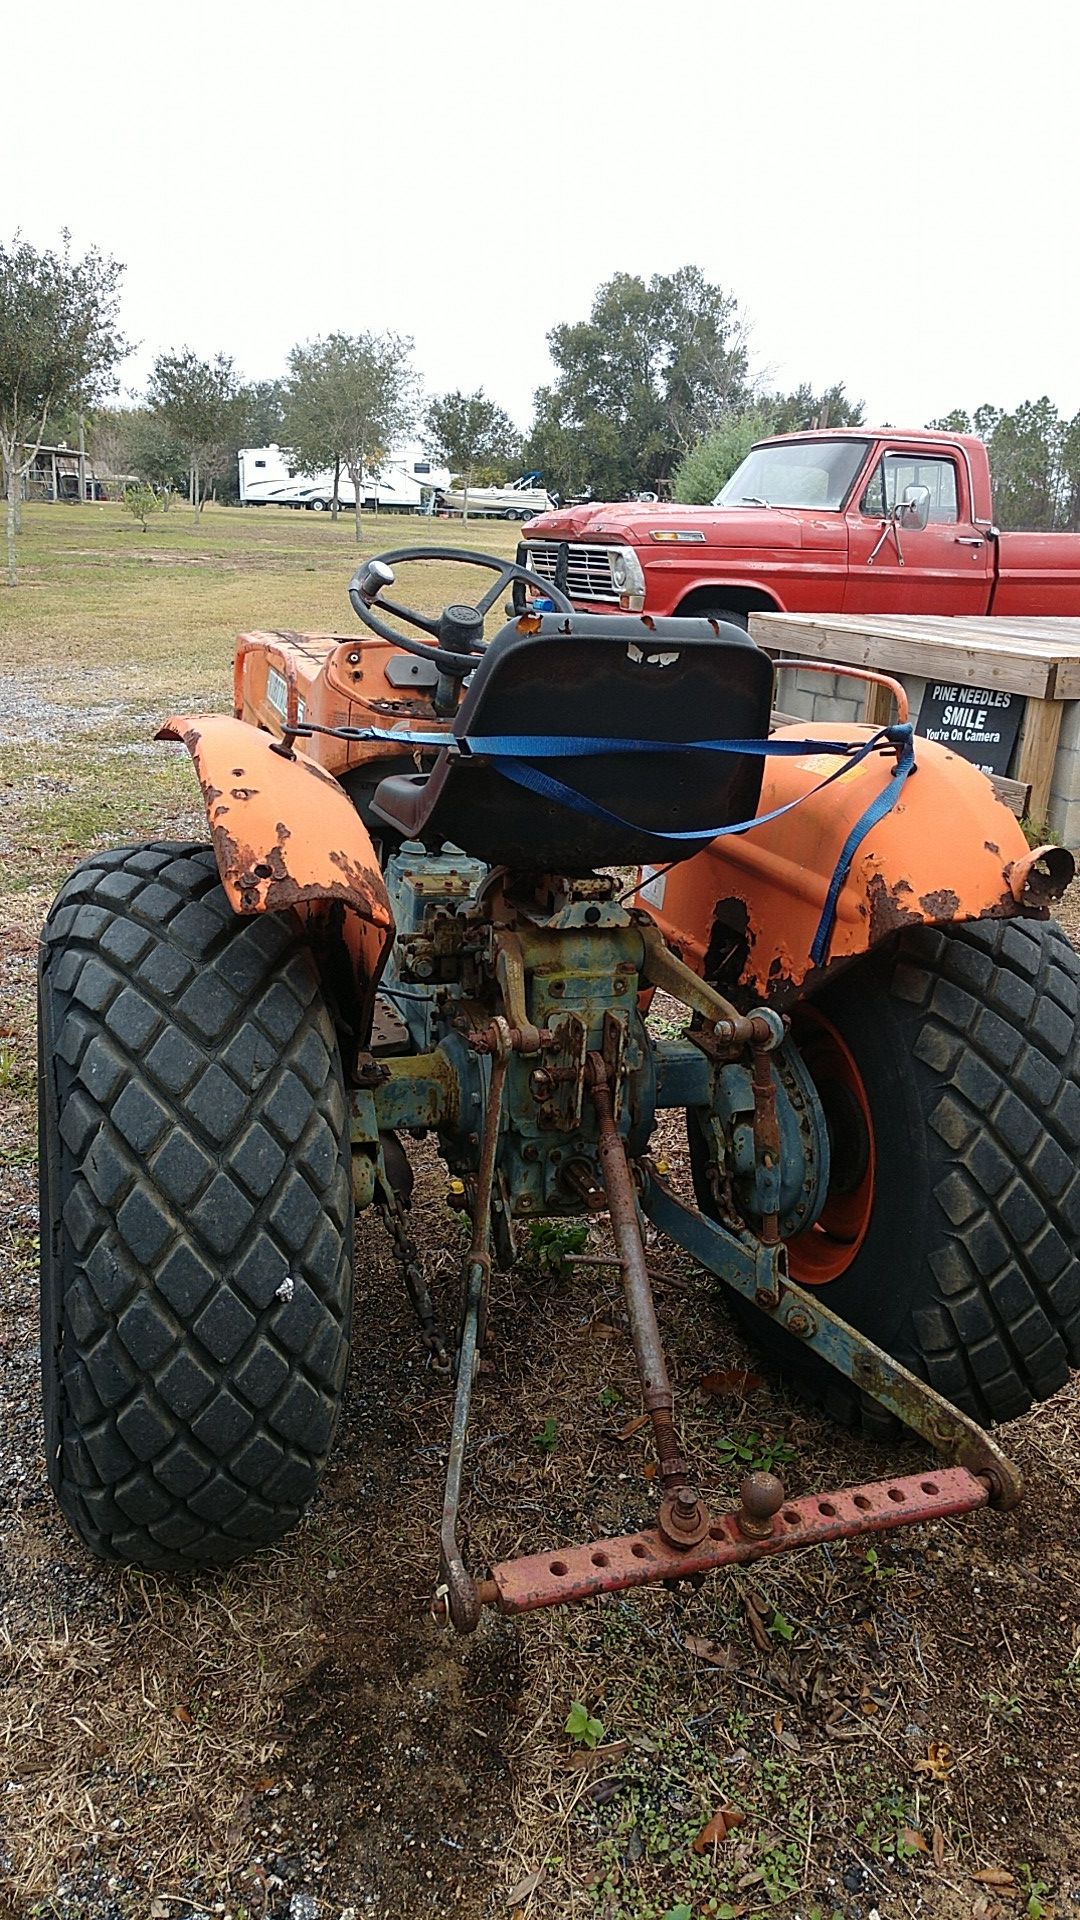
[949, 851]
[287, 838]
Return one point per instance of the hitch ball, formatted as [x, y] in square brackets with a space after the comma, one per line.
[761, 1496]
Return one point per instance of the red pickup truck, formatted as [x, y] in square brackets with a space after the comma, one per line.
[851, 521]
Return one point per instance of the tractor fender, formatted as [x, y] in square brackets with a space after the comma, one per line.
[747, 908]
[287, 838]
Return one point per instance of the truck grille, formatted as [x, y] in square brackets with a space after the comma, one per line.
[587, 569]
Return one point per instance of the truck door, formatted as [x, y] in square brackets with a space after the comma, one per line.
[946, 567]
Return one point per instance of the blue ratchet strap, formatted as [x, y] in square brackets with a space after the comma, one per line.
[542, 746]
[903, 739]
[900, 738]
[510, 755]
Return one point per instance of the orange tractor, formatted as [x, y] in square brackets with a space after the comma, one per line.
[445, 879]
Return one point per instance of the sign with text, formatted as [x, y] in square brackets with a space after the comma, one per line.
[979, 723]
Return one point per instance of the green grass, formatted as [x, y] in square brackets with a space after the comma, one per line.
[94, 591]
[111, 629]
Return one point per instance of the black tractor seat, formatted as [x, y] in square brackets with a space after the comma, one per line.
[616, 676]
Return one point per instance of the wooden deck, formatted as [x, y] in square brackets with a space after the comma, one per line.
[1039, 659]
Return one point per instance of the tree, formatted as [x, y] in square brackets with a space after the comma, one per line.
[468, 431]
[135, 443]
[653, 368]
[1025, 450]
[198, 403]
[955, 422]
[348, 399]
[140, 500]
[263, 413]
[109, 436]
[1070, 465]
[59, 346]
[1034, 461]
[707, 466]
[312, 427]
[804, 410]
[702, 471]
[156, 455]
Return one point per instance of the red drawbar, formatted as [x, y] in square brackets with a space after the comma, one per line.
[636, 1559]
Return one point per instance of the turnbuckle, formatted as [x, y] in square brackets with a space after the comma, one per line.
[683, 1519]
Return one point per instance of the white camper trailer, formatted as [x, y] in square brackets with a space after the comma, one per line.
[407, 482]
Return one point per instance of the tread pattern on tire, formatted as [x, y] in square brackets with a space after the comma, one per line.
[977, 1284]
[196, 1217]
[997, 1029]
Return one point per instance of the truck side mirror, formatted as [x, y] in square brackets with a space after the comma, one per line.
[914, 508]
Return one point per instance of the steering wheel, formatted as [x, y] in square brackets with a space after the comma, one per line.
[458, 631]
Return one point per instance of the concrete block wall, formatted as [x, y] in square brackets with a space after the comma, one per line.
[832, 696]
[1065, 788]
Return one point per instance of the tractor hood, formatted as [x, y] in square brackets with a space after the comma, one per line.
[735, 528]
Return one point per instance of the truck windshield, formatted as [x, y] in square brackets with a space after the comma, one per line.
[795, 473]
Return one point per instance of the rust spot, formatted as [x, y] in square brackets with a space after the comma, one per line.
[992, 847]
[648, 621]
[730, 941]
[238, 773]
[529, 623]
[419, 708]
[942, 904]
[243, 793]
[888, 912]
[360, 879]
[319, 773]
[211, 794]
[1041, 877]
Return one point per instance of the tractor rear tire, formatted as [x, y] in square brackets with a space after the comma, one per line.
[196, 1213]
[961, 1049]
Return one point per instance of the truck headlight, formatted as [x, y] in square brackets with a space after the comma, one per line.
[627, 578]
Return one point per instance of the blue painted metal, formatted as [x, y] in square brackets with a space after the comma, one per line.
[683, 1075]
[419, 882]
[739, 1258]
[808, 1320]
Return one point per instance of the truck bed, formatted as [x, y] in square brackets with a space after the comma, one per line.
[1036, 573]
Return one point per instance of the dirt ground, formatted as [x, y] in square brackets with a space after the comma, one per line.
[898, 1726]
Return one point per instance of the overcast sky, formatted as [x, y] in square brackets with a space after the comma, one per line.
[891, 191]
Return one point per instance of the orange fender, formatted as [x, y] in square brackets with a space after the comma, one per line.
[950, 850]
[287, 838]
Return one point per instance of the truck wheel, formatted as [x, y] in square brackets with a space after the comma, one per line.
[718, 613]
[949, 1070]
[196, 1213]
